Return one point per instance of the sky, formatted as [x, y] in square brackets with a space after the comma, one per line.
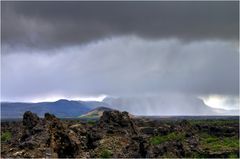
[90, 50]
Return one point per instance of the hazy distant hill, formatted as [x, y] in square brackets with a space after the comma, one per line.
[161, 105]
[61, 108]
[95, 113]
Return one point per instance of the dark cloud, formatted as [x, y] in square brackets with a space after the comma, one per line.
[124, 66]
[49, 24]
[75, 49]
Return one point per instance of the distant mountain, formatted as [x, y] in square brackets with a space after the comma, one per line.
[95, 113]
[60, 108]
[165, 105]
[154, 106]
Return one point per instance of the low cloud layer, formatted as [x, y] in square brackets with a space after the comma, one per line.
[124, 66]
[56, 24]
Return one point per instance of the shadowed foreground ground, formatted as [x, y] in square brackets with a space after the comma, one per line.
[116, 134]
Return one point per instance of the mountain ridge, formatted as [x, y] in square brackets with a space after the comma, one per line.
[150, 106]
[61, 108]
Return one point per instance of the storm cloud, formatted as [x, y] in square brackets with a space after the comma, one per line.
[75, 49]
[56, 24]
[125, 65]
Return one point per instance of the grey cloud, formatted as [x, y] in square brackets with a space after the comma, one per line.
[168, 104]
[124, 66]
[55, 24]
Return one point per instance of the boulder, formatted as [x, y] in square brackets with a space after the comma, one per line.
[30, 119]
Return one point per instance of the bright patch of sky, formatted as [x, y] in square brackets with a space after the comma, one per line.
[223, 102]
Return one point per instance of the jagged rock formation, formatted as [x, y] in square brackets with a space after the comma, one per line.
[62, 143]
[120, 130]
[116, 134]
[117, 122]
[50, 137]
[30, 119]
[47, 137]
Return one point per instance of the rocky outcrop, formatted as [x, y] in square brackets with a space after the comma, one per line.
[30, 119]
[116, 135]
[47, 137]
[118, 122]
[172, 149]
[34, 136]
[137, 147]
[62, 143]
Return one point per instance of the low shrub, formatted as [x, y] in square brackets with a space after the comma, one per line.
[219, 144]
[106, 153]
[6, 136]
[156, 140]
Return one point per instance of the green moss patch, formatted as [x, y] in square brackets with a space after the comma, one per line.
[214, 143]
[6, 136]
[156, 140]
[105, 153]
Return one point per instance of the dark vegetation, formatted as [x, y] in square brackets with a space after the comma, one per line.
[118, 135]
[91, 122]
